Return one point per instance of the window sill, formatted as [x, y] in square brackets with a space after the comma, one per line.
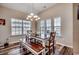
[17, 35]
[58, 36]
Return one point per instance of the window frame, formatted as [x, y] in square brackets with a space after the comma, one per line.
[45, 26]
[27, 27]
[21, 28]
[58, 26]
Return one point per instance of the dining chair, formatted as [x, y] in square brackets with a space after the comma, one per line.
[51, 43]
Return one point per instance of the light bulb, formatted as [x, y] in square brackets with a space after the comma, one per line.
[38, 17]
[35, 16]
[29, 16]
[32, 14]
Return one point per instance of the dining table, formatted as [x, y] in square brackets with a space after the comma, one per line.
[43, 42]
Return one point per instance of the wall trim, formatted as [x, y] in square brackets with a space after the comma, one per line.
[64, 45]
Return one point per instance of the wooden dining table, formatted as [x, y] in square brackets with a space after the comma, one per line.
[43, 40]
[27, 45]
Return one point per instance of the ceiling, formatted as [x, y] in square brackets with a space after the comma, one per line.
[28, 7]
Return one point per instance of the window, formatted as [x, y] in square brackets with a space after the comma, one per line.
[42, 27]
[48, 27]
[57, 26]
[45, 26]
[19, 27]
[16, 27]
[26, 26]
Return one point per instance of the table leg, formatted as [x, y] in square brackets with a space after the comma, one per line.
[43, 53]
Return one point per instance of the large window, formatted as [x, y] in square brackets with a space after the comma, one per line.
[19, 27]
[42, 27]
[26, 26]
[16, 27]
[57, 26]
[45, 26]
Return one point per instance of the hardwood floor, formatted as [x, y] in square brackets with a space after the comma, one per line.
[15, 50]
[9, 50]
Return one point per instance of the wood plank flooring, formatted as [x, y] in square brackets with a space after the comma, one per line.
[15, 50]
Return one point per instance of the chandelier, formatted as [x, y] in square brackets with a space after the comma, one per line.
[32, 16]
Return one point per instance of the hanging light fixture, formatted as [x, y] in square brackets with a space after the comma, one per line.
[32, 16]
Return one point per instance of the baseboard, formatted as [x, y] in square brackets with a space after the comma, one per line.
[64, 45]
[15, 42]
[10, 44]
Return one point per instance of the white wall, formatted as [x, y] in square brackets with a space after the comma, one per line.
[75, 29]
[5, 31]
[65, 11]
